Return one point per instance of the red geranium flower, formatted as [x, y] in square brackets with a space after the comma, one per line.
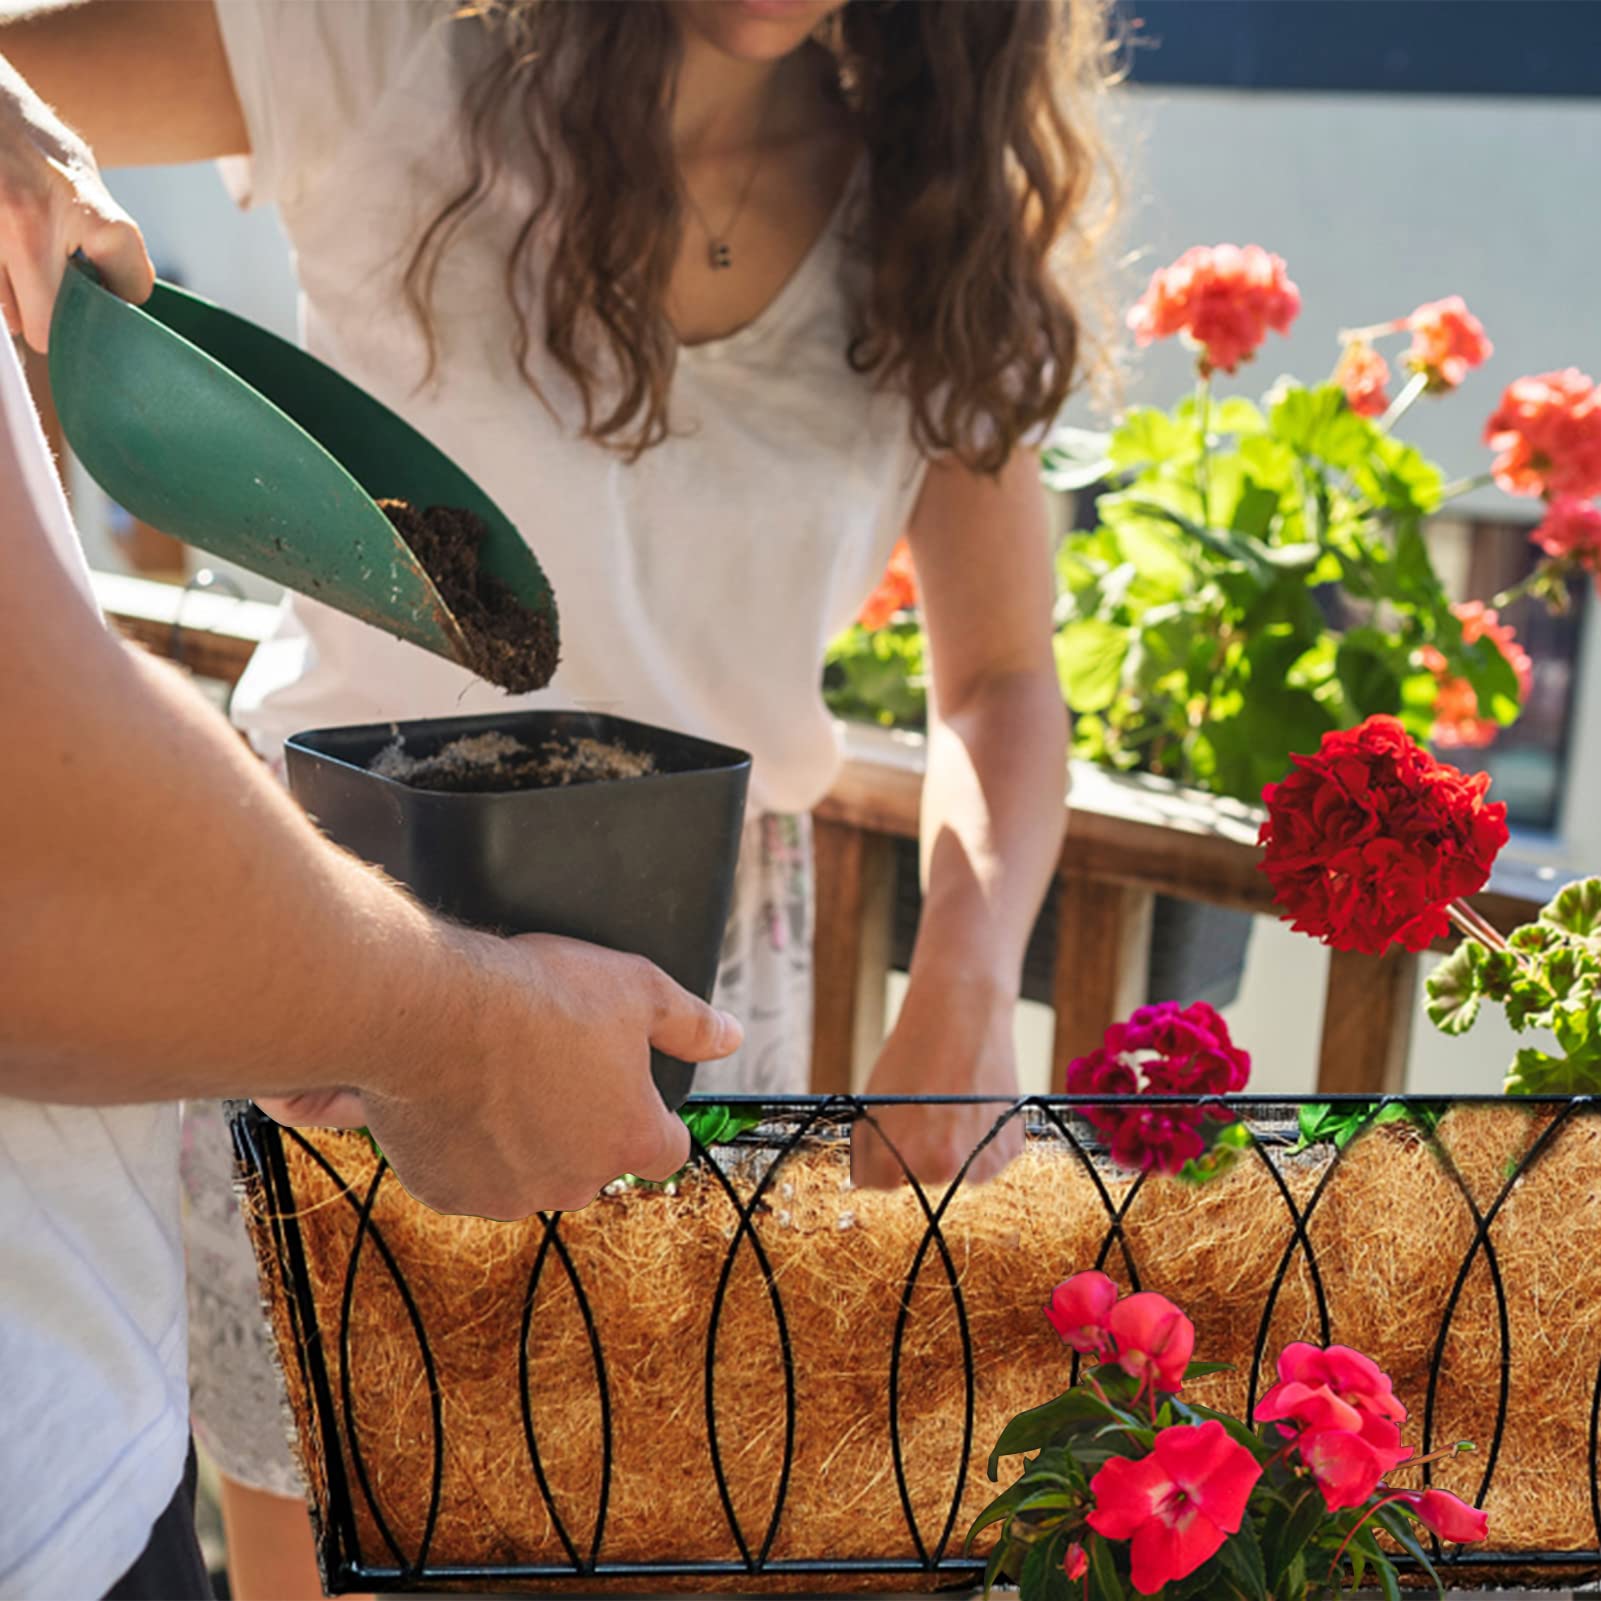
[1450, 1518]
[1571, 532]
[896, 592]
[1547, 432]
[1369, 841]
[1448, 341]
[1177, 1505]
[1362, 373]
[1166, 1049]
[1456, 704]
[1222, 299]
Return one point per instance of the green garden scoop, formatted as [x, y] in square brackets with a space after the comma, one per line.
[225, 436]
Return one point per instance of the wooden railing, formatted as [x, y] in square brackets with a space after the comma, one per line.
[1128, 840]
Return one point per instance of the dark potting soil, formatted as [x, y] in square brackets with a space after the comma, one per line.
[483, 763]
[506, 642]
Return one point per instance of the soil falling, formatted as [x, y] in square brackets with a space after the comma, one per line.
[507, 643]
[484, 763]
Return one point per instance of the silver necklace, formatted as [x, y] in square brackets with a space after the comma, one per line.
[719, 252]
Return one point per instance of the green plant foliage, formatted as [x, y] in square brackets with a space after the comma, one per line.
[1546, 978]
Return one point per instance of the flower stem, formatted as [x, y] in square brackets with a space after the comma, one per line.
[1203, 422]
[1475, 925]
[1403, 402]
[1465, 486]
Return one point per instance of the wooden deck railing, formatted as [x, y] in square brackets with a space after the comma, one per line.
[1128, 840]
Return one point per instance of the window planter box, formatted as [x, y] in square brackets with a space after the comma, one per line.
[763, 1381]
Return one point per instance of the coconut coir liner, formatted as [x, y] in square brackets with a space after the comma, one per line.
[507, 643]
[1390, 1234]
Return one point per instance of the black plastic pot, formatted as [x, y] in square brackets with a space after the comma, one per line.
[644, 865]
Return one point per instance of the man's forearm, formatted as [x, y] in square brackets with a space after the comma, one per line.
[170, 924]
[992, 821]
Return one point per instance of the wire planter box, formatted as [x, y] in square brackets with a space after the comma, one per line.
[760, 1380]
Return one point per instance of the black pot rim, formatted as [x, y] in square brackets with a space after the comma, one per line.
[708, 756]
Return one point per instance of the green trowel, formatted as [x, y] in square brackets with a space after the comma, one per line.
[226, 437]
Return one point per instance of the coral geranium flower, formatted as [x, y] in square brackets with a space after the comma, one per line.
[1222, 299]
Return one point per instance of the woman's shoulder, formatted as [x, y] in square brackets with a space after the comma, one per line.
[312, 76]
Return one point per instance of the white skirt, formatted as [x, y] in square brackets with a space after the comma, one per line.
[765, 979]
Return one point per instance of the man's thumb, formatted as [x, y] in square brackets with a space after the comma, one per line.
[692, 1031]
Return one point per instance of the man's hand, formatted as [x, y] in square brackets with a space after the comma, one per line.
[550, 1097]
[950, 1039]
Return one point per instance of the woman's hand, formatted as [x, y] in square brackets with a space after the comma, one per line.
[54, 202]
[953, 1038]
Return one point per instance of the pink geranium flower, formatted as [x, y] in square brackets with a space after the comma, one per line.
[1177, 1505]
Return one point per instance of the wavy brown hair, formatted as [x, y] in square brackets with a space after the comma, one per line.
[984, 197]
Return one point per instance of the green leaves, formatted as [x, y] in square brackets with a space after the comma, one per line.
[1090, 656]
[878, 675]
[1338, 1123]
[1191, 644]
[1548, 977]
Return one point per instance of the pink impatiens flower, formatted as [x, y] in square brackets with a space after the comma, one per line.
[1079, 1311]
[1076, 1561]
[1222, 299]
[1355, 1378]
[1450, 1518]
[1177, 1505]
[1152, 1341]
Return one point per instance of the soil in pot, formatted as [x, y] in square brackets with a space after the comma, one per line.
[478, 764]
[507, 643]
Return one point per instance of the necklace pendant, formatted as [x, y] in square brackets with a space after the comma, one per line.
[719, 255]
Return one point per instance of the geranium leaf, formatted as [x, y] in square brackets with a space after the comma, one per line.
[1075, 458]
[1576, 909]
[1455, 989]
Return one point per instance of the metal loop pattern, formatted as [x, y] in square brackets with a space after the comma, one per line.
[342, 1474]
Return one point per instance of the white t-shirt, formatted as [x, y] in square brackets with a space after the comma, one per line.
[93, 1394]
[699, 586]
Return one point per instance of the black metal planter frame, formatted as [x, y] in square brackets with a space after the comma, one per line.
[938, 1563]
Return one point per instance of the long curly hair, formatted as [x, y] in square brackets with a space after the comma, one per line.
[987, 190]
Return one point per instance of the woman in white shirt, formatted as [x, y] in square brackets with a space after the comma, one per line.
[717, 299]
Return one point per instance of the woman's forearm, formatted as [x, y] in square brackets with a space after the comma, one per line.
[992, 820]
